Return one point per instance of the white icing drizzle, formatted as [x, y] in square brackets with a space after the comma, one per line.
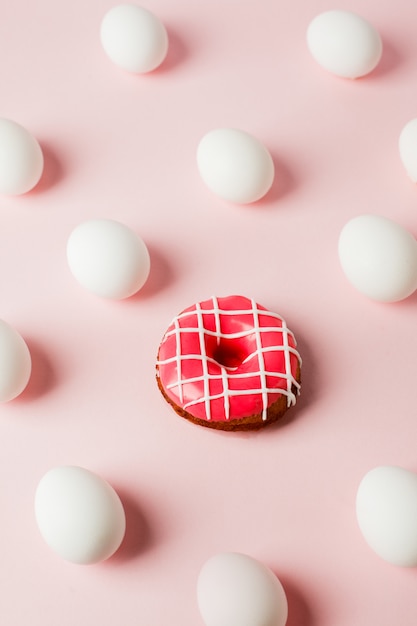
[225, 378]
[227, 373]
[178, 357]
[261, 360]
[290, 397]
[205, 376]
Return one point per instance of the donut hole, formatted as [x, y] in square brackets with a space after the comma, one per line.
[230, 354]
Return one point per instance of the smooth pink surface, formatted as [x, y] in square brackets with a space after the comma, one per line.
[228, 358]
[123, 147]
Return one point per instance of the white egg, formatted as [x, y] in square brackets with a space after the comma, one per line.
[386, 509]
[379, 258]
[15, 363]
[235, 165]
[108, 258]
[236, 590]
[133, 38]
[21, 159]
[79, 515]
[344, 43]
[408, 148]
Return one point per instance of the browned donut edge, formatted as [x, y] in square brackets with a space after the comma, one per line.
[254, 422]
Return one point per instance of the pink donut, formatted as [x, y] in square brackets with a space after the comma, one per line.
[229, 363]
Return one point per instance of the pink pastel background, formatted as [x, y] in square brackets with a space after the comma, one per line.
[123, 147]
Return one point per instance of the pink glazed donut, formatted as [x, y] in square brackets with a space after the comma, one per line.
[229, 363]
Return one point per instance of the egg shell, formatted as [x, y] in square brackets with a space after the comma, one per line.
[386, 510]
[79, 515]
[234, 589]
[344, 43]
[408, 148]
[379, 258]
[235, 165]
[21, 159]
[107, 258]
[15, 363]
[134, 38]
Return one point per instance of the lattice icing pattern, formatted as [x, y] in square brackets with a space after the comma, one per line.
[228, 358]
